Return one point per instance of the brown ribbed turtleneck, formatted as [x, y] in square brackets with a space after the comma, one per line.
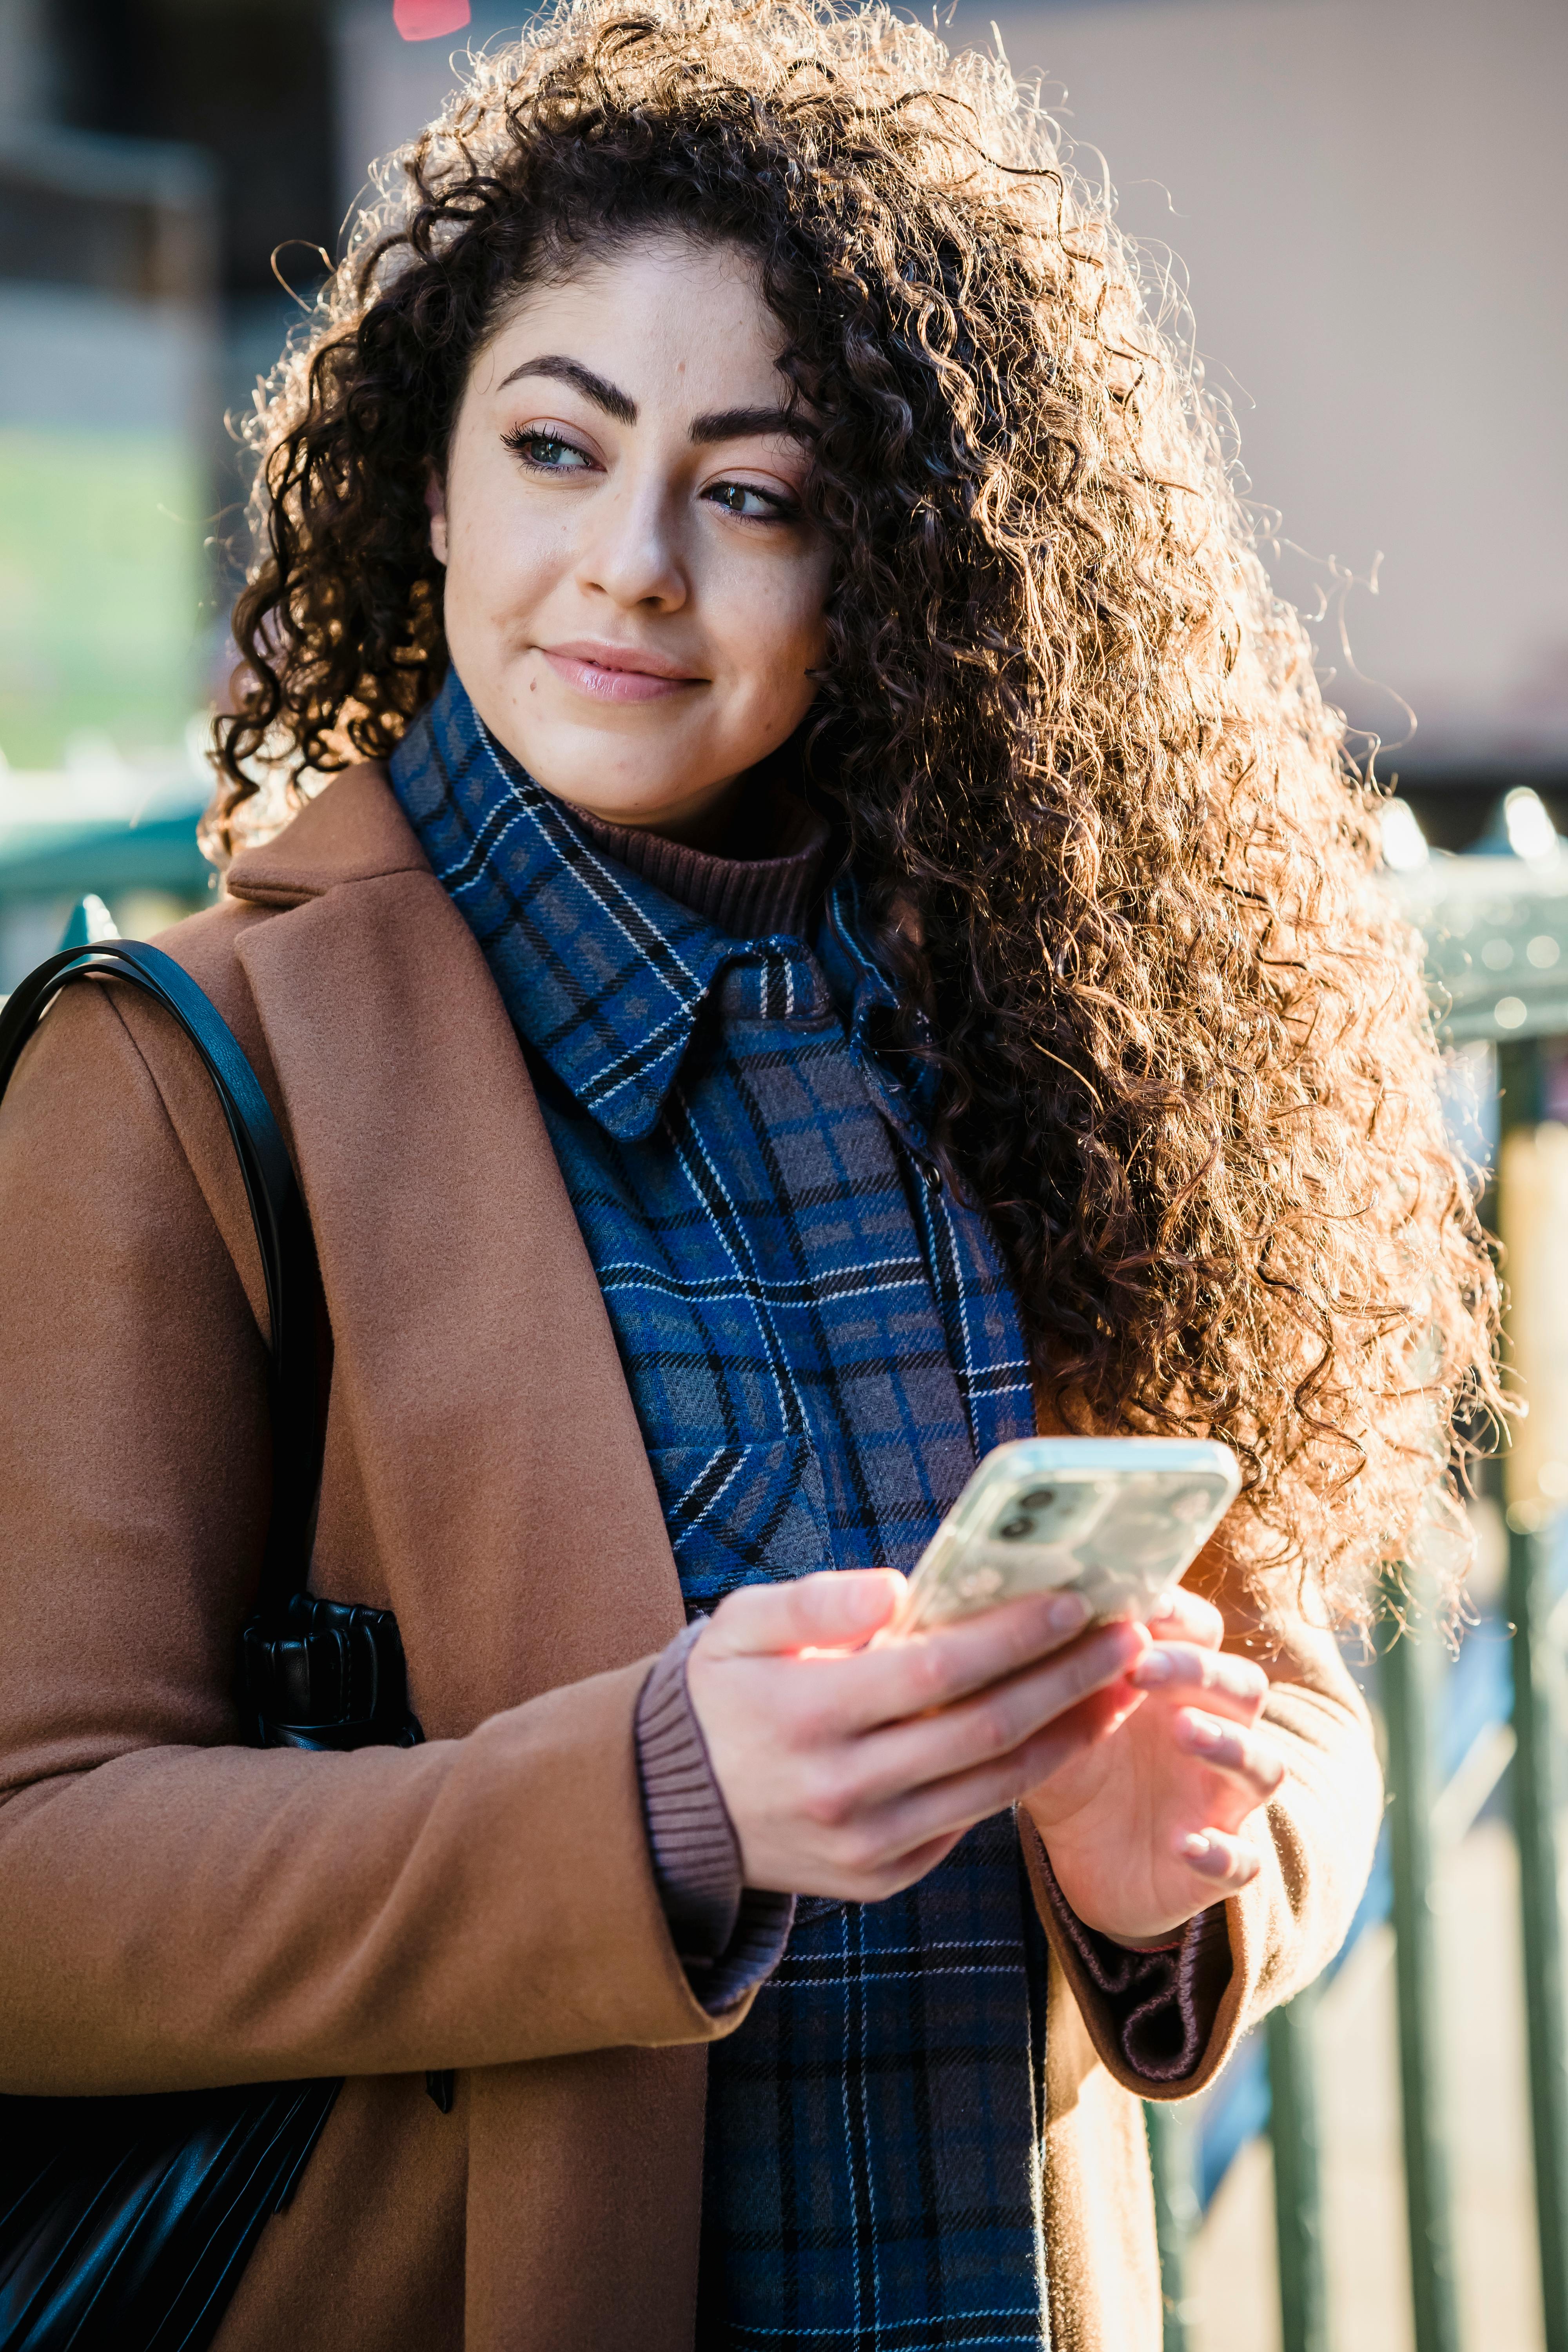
[746, 898]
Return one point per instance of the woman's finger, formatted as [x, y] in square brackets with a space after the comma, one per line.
[1226, 1747]
[943, 1807]
[1222, 1864]
[987, 1729]
[834, 1609]
[1231, 1684]
[1181, 1616]
[837, 1611]
[937, 1669]
[903, 1870]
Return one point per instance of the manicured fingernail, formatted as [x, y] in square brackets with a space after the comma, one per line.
[1154, 1666]
[1203, 1734]
[1162, 1606]
[1068, 1612]
[1205, 1855]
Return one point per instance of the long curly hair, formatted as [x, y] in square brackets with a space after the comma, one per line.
[1106, 831]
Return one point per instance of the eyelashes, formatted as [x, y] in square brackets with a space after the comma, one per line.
[771, 507]
[527, 441]
[544, 451]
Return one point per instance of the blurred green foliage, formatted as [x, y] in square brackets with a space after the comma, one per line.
[102, 590]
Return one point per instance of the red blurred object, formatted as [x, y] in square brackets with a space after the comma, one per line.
[425, 20]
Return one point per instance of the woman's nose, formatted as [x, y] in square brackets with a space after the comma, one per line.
[632, 552]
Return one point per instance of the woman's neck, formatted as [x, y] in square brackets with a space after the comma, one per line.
[762, 877]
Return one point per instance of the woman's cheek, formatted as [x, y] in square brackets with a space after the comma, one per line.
[782, 635]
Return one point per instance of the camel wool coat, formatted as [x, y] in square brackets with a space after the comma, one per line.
[176, 1910]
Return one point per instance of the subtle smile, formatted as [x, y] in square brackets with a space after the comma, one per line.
[617, 673]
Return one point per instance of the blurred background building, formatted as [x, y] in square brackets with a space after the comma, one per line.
[1358, 206]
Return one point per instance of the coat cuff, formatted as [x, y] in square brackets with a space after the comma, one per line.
[1161, 2005]
[728, 1935]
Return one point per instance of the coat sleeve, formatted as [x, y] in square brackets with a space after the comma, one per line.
[1282, 1929]
[177, 1910]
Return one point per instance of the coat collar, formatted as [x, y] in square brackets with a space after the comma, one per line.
[352, 830]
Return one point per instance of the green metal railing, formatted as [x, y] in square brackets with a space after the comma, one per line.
[1407, 1661]
[1409, 1658]
[1172, 2161]
[1405, 1683]
[1298, 2192]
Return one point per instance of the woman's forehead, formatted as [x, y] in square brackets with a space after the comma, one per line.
[663, 317]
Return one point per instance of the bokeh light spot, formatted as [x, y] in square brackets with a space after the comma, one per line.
[426, 20]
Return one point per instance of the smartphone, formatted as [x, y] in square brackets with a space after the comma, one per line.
[1120, 1519]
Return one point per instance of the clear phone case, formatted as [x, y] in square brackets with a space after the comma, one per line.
[1120, 1518]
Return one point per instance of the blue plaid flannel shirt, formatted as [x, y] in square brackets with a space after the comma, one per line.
[820, 1342]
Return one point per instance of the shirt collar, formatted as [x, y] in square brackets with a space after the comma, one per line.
[600, 972]
[902, 1083]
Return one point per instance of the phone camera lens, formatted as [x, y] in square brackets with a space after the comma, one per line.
[1039, 1499]
[1015, 1529]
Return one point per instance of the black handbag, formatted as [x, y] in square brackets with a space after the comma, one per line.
[125, 2221]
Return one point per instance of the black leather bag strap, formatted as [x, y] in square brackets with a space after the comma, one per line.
[276, 1209]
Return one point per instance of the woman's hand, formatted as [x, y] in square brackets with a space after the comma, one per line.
[851, 1772]
[1143, 1830]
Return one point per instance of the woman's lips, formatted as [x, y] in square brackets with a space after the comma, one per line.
[609, 674]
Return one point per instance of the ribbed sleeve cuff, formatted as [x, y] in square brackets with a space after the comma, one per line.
[1163, 2003]
[728, 1935]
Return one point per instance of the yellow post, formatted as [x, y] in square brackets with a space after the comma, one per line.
[1532, 1186]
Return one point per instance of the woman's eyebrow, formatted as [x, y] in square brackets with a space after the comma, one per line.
[607, 396]
[719, 424]
[736, 424]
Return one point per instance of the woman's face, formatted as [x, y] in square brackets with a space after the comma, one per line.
[634, 595]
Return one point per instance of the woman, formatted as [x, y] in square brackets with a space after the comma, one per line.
[848, 939]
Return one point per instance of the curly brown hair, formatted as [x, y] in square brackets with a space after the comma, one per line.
[1106, 831]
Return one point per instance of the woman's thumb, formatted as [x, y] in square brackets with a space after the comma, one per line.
[837, 1608]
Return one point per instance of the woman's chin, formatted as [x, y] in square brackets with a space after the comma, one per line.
[595, 777]
[653, 804]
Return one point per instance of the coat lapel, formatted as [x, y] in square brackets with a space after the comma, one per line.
[485, 1476]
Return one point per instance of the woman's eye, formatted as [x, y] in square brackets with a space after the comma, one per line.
[741, 499]
[547, 450]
